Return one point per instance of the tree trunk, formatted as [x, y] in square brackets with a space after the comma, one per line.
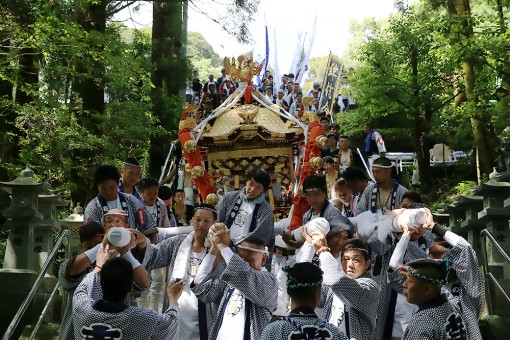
[479, 124]
[422, 153]
[89, 84]
[28, 81]
[501, 16]
[23, 89]
[419, 124]
[9, 147]
[168, 77]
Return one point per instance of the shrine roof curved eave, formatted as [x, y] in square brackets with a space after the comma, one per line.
[256, 141]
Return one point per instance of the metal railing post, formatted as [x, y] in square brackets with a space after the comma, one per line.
[166, 162]
[23, 308]
[486, 234]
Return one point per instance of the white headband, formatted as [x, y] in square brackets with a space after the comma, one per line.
[312, 190]
[381, 166]
[265, 251]
[130, 164]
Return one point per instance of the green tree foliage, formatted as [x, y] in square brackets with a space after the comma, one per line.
[316, 71]
[76, 91]
[432, 74]
[199, 48]
[171, 66]
[202, 56]
[53, 136]
[404, 80]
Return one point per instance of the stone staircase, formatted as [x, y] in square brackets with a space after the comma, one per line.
[46, 331]
[487, 207]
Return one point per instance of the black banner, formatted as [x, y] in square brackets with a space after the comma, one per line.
[330, 84]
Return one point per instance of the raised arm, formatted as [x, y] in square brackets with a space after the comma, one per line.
[361, 294]
[76, 265]
[259, 286]
[207, 286]
[90, 288]
[397, 258]
[160, 255]
[210, 288]
[465, 264]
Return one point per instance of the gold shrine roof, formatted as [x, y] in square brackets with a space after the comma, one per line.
[266, 124]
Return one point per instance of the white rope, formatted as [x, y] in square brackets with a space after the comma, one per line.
[218, 111]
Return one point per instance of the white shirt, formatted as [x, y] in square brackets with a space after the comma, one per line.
[279, 102]
[283, 306]
[337, 317]
[234, 318]
[188, 327]
[403, 313]
[153, 211]
[114, 204]
[242, 222]
[289, 98]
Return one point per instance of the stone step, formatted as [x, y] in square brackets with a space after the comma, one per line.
[494, 327]
[500, 305]
[45, 332]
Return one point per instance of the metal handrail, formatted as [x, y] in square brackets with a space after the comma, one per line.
[485, 233]
[23, 308]
[65, 294]
[172, 147]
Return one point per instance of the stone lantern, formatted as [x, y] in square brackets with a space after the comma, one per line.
[44, 230]
[72, 222]
[23, 214]
[21, 261]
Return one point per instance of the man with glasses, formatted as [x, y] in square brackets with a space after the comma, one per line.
[115, 218]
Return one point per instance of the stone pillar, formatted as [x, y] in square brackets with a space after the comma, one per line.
[471, 226]
[455, 217]
[495, 216]
[72, 222]
[45, 229]
[441, 216]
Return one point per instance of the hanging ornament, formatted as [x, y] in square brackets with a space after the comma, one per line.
[197, 171]
[322, 141]
[190, 146]
[316, 162]
[212, 199]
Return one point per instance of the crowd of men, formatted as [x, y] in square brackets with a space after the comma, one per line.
[367, 262]
[287, 93]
